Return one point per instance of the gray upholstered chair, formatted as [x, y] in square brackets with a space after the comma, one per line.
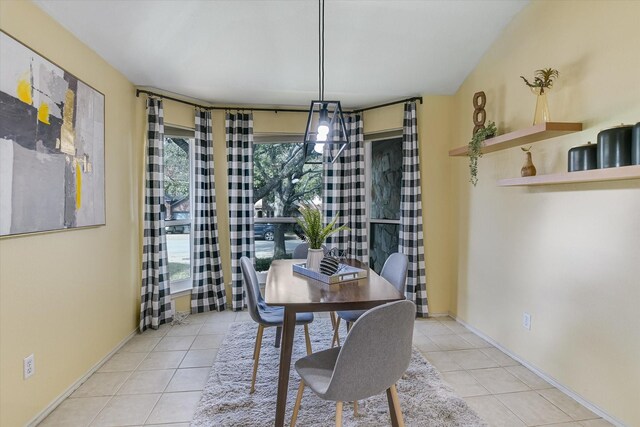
[264, 315]
[394, 271]
[375, 355]
[301, 251]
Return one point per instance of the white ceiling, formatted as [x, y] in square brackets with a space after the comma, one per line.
[266, 52]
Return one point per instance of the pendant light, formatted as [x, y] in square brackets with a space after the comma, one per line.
[325, 125]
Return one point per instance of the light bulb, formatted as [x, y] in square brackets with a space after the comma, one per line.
[319, 146]
[323, 129]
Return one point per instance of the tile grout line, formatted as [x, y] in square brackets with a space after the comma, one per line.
[565, 412]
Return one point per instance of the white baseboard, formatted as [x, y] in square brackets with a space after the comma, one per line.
[57, 401]
[439, 315]
[548, 378]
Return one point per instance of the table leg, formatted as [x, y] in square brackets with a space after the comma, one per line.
[286, 347]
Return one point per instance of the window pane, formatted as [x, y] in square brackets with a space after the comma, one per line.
[177, 205]
[383, 242]
[281, 181]
[274, 241]
[386, 178]
[179, 254]
[176, 178]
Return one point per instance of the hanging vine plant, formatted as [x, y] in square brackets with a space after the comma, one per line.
[475, 149]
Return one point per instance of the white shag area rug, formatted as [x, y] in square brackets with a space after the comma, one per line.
[424, 398]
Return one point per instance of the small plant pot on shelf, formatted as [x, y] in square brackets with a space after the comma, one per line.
[541, 114]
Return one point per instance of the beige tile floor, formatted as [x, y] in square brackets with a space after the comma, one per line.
[158, 376]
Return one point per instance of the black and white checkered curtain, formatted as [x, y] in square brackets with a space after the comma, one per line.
[239, 130]
[155, 308]
[344, 191]
[208, 292]
[411, 238]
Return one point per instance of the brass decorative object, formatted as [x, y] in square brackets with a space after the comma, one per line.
[528, 169]
[542, 83]
[479, 113]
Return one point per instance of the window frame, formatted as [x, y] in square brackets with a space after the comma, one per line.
[172, 131]
[368, 148]
[368, 152]
[278, 139]
[266, 139]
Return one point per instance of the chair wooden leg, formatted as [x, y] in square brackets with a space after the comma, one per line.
[336, 337]
[339, 414]
[256, 357]
[255, 344]
[307, 339]
[394, 407]
[333, 325]
[392, 410]
[296, 407]
[355, 408]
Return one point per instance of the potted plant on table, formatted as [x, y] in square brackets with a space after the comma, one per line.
[315, 233]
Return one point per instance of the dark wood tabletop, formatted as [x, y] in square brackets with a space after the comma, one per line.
[296, 293]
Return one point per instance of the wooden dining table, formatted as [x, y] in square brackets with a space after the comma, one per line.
[298, 293]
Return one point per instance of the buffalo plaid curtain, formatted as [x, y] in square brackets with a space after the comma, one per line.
[239, 130]
[208, 292]
[411, 237]
[155, 308]
[344, 191]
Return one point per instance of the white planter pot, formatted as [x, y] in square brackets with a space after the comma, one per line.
[314, 256]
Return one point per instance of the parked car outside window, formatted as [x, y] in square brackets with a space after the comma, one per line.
[178, 229]
[264, 231]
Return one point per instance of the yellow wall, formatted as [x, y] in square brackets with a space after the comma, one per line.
[71, 297]
[569, 254]
[435, 123]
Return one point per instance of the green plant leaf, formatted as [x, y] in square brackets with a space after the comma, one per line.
[311, 224]
[542, 79]
[475, 149]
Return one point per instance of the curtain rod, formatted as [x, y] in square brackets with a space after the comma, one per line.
[275, 110]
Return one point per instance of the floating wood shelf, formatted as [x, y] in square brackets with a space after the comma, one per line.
[529, 135]
[594, 175]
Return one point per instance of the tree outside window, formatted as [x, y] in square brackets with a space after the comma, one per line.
[282, 179]
[177, 208]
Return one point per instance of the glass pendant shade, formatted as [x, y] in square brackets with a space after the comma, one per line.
[326, 125]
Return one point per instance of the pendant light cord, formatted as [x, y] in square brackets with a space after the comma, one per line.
[321, 49]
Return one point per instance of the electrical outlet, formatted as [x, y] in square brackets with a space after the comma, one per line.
[526, 321]
[29, 365]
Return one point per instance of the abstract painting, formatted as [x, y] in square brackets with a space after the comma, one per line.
[51, 145]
